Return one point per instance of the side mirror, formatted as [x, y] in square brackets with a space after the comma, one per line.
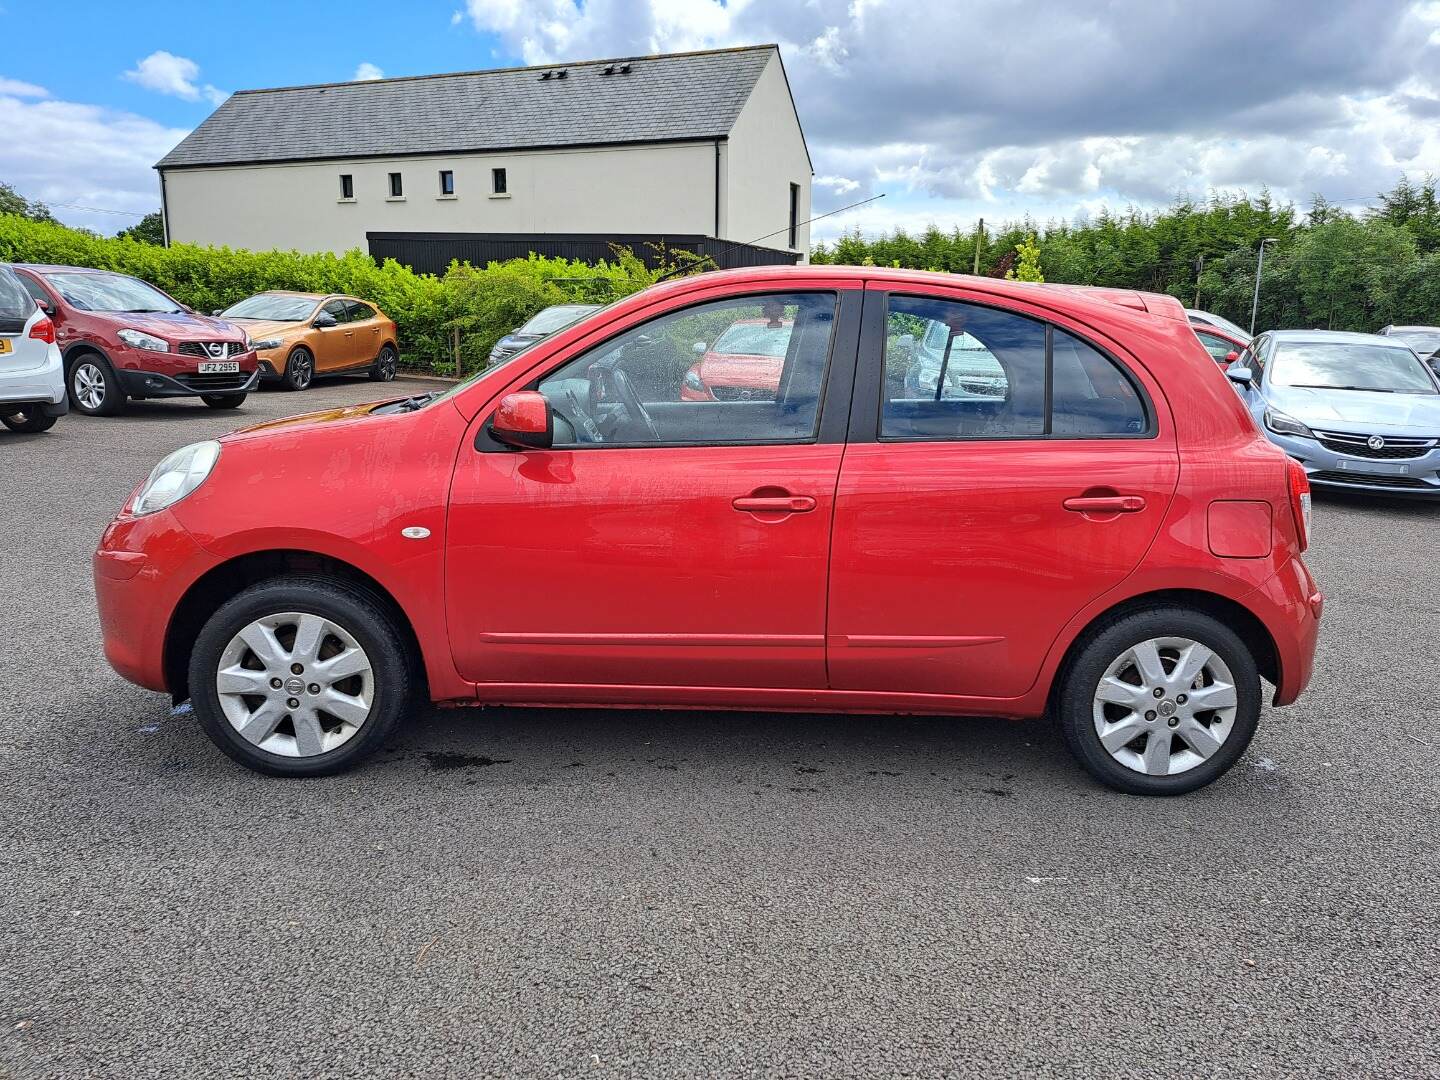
[698, 348]
[1231, 356]
[1242, 375]
[524, 420]
[45, 306]
[324, 321]
[216, 311]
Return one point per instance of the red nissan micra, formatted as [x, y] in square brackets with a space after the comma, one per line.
[1102, 535]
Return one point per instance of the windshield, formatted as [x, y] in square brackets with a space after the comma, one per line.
[1221, 323]
[755, 339]
[1424, 342]
[556, 318]
[111, 292]
[274, 308]
[1326, 366]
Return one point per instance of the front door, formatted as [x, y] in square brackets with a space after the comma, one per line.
[1003, 472]
[678, 532]
[334, 345]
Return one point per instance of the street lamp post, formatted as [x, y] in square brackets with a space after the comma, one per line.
[1259, 268]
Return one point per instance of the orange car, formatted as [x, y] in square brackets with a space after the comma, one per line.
[301, 335]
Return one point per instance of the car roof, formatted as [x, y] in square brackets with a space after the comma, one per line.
[46, 268]
[1332, 337]
[305, 295]
[1431, 329]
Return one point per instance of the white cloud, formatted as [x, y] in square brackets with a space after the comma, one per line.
[367, 72]
[178, 76]
[66, 152]
[16, 88]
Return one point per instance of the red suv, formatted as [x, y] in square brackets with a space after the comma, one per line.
[1103, 535]
[122, 338]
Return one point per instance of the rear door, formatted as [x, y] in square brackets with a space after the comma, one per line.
[661, 541]
[365, 328]
[978, 512]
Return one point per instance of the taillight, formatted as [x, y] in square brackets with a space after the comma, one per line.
[1300, 501]
[44, 330]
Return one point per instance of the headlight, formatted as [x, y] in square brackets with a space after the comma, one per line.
[138, 339]
[175, 477]
[1281, 424]
[692, 381]
[266, 345]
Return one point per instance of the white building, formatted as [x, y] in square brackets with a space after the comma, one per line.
[690, 148]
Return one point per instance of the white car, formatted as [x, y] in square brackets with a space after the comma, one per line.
[32, 377]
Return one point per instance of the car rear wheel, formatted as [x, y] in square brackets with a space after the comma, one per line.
[299, 370]
[94, 387]
[299, 676]
[224, 401]
[30, 421]
[385, 364]
[1160, 702]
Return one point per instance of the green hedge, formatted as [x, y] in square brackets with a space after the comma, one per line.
[464, 312]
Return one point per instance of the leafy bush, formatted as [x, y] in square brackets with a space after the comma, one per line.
[457, 316]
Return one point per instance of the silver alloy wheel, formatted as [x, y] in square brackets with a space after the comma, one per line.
[295, 684]
[387, 363]
[1165, 706]
[89, 383]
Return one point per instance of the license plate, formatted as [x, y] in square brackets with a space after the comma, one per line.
[219, 367]
[1388, 468]
[4, 346]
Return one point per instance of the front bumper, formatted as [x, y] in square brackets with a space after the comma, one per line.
[1417, 477]
[156, 384]
[142, 567]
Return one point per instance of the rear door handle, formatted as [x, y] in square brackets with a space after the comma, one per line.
[1105, 504]
[773, 504]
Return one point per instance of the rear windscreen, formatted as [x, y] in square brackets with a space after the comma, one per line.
[16, 307]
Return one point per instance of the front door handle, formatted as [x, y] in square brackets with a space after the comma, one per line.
[1105, 504]
[774, 504]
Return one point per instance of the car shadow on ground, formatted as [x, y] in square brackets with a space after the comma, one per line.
[1415, 507]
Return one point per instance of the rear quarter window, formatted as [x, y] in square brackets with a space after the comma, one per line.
[16, 305]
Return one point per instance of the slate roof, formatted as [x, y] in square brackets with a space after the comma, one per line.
[694, 95]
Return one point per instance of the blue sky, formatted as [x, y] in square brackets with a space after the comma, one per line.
[990, 108]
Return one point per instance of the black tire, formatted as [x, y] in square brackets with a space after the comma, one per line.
[346, 605]
[30, 421]
[224, 401]
[89, 375]
[383, 370]
[299, 370]
[1076, 699]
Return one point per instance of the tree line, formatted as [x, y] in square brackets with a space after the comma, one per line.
[1329, 268]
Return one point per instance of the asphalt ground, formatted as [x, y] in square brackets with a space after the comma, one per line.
[616, 893]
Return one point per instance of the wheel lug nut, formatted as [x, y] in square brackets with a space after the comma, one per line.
[292, 703]
[297, 669]
[1174, 721]
[1150, 715]
[275, 684]
[314, 687]
[1159, 691]
[1180, 699]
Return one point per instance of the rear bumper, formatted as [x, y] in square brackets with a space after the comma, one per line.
[44, 385]
[1291, 606]
[155, 384]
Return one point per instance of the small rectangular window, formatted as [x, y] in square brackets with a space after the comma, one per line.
[497, 181]
[397, 188]
[347, 186]
[794, 216]
[447, 182]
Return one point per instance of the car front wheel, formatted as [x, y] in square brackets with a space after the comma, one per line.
[1160, 702]
[299, 676]
[299, 370]
[94, 387]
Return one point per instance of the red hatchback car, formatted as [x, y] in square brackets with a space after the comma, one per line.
[1108, 538]
[123, 338]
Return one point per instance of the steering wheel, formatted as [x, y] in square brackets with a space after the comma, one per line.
[625, 390]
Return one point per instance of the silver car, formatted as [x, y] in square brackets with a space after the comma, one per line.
[1361, 412]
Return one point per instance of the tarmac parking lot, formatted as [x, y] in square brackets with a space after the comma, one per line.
[564, 893]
